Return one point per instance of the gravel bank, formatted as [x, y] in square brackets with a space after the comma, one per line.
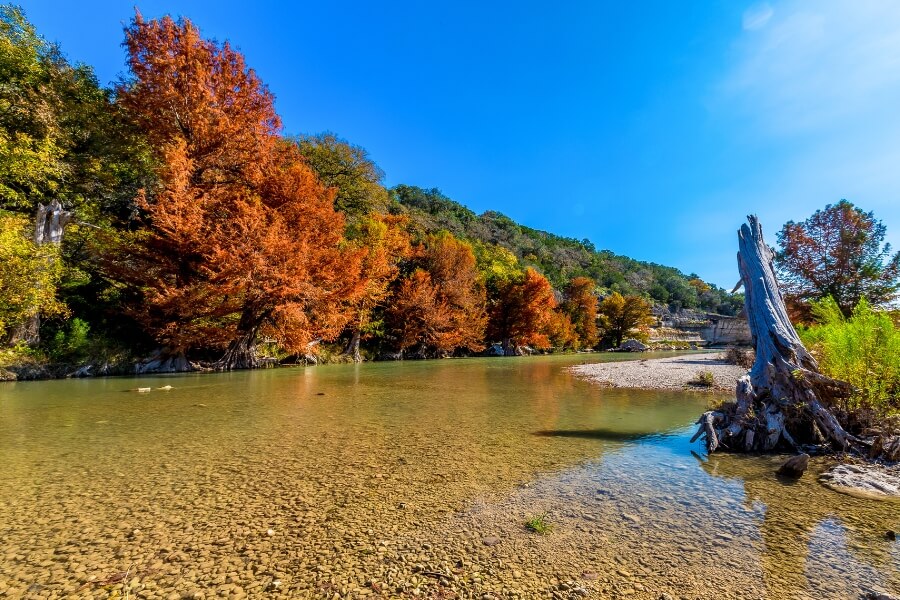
[673, 373]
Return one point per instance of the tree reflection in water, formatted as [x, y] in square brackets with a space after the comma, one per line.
[814, 536]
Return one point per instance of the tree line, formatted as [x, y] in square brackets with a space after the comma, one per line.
[184, 218]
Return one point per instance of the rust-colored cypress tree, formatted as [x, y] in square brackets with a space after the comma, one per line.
[385, 243]
[522, 315]
[440, 307]
[580, 305]
[242, 240]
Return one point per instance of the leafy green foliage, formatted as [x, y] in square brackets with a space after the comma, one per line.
[863, 350]
[28, 275]
[539, 524]
[61, 136]
[349, 170]
[561, 259]
[496, 265]
[71, 343]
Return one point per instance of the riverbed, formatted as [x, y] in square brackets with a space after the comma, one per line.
[404, 480]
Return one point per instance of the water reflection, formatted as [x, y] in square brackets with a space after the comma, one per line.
[815, 539]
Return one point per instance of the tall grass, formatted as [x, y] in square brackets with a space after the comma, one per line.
[863, 350]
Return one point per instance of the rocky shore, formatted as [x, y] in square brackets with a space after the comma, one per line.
[670, 373]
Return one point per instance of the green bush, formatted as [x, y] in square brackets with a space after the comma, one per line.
[863, 350]
[72, 343]
[703, 379]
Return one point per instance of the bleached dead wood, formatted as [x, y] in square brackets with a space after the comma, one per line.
[784, 401]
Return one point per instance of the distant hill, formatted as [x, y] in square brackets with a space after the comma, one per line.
[560, 258]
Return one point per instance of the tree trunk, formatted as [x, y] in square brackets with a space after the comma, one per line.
[241, 352]
[784, 401]
[352, 348]
[49, 225]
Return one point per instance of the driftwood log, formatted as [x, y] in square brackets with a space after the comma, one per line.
[784, 401]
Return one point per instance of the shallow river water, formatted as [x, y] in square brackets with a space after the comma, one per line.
[403, 480]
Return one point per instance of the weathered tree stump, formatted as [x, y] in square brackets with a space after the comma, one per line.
[784, 401]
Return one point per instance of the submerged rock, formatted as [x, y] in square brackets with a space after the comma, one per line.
[879, 596]
[794, 466]
[869, 481]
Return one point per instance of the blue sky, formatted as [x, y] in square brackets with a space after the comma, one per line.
[650, 128]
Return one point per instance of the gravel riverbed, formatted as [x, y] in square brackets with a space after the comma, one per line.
[407, 481]
[669, 373]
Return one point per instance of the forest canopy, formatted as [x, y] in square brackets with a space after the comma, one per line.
[171, 215]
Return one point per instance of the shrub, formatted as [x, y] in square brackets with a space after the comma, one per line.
[703, 379]
[71, 344]
[742, 357]
[863, 350]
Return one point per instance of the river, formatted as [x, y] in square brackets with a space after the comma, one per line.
[408, 479]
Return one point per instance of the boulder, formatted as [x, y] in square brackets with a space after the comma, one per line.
[633, 345]
[495, 350]
[794, 466]
[82, 371]
[879, 596]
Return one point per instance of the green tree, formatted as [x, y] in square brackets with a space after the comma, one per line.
[61, 136]
[621, 315]
[67, 156]
[348, 169]
[29, 275]
[496, 265]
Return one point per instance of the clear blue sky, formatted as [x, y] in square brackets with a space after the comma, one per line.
[651, 128]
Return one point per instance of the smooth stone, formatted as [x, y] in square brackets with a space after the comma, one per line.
[794, 466]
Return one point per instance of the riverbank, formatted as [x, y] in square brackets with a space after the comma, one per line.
[669, 373]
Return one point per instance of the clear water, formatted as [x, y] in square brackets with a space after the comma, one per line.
[306, 475]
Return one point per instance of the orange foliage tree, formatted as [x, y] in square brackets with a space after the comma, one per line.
[561, 331]
[522, 313]
[440, 307]
[242, 240]
[385, 244]
[580, 305]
